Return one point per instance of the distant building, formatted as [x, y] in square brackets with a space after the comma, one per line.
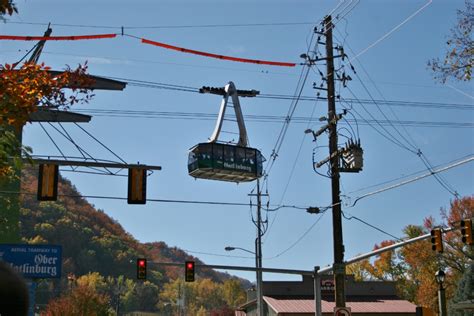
[293, 298]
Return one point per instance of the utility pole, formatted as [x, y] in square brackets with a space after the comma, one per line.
[339, 267]
[258, 252]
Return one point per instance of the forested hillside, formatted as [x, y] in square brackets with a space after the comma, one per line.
[99, 253]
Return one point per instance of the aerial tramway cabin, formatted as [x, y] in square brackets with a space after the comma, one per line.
[220, 161]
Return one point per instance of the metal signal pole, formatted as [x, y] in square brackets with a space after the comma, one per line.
[339, 267]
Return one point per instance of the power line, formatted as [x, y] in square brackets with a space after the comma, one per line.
[410, 142]
[157, 200]
[262, 118]
[453, 165]
[430, 105]
[350, 217]
[392, 30]
[188, 26]
[430, 173]
[405, 177]
[292, 171]
[297, 241]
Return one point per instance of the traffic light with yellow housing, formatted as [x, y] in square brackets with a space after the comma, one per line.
[466, 231]
[48, 182]
[437, 240]
[189, 271]
[136, 186]
[141, 269]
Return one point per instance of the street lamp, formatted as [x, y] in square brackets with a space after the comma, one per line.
[229, 248]
[258, 274]
[440, 277]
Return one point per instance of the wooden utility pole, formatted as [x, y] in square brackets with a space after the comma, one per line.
[258, 252]
[339, 267]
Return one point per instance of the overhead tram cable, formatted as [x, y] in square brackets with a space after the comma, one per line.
[429, 105]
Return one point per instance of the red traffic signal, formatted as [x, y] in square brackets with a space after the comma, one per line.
[141, 269]
[189, 271]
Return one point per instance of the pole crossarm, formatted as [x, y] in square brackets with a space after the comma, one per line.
[93, 164]
[339, 152]
[238, 268]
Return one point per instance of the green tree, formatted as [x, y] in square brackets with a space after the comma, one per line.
[464, 293]
[458, 61]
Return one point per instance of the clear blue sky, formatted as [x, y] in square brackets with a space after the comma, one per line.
[397, 65]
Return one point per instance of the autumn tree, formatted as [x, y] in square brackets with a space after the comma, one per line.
[7, 7]
[201, 296]
[459, 58]
[82, 300]
[233, 293]
[413, 266]
[23, 90]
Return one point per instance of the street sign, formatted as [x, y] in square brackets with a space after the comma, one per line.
[342, 311]
[327, 285]
[33, 261]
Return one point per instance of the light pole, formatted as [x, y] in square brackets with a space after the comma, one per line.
[440, 276]
[258, 274]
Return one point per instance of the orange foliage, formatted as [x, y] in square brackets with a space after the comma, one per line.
[83, 300]
[7, 7]
[22, 90]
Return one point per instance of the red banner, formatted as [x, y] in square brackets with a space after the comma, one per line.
[196, 52]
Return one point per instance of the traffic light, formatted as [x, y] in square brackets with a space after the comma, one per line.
[48, 182]
[141, 269]
[189, 271]
[136, 186]
[437, 240]
[466, 231]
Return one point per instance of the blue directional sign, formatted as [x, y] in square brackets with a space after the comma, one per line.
[33, 261]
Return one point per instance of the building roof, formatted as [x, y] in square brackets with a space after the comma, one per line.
[371, 305]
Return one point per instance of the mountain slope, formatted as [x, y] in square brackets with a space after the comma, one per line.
[92, 241]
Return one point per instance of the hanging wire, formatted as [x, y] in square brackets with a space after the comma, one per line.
[54, 143]
[103, 145]
[299, 239]
[350, 217]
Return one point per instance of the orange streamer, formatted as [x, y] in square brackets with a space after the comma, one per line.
[55, 38]
[196, 52]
